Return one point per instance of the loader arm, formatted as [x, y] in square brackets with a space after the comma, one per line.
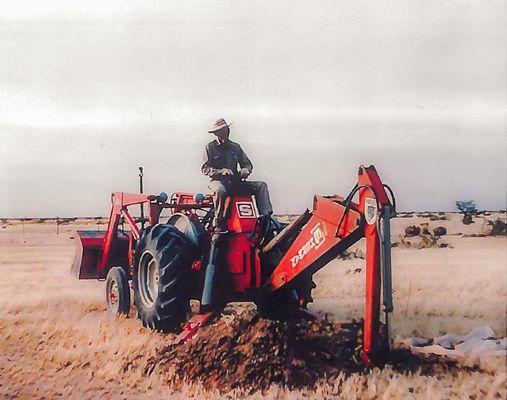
[119, 207]
[99, 250]
[335, 225]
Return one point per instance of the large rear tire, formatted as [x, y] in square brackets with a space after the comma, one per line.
[161, 278]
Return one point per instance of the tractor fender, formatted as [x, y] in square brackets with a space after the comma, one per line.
[190, 229]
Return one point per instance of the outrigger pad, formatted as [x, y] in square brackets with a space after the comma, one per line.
[88, 254]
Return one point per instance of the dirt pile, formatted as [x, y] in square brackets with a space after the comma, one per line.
[252, 353]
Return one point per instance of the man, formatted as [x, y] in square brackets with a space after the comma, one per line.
[228, 166]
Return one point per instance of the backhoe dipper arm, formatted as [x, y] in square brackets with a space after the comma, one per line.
[334, 226]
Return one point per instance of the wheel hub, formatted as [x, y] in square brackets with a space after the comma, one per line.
[148, 278]
[113, 295]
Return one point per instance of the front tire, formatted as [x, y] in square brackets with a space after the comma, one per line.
[117, 292]
[161, 277]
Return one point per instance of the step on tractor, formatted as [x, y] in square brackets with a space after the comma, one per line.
[258, 259]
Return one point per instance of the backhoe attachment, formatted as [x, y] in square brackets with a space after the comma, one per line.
[334, 225]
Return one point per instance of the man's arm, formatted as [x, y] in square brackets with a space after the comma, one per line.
[244, 161]
[207, 168]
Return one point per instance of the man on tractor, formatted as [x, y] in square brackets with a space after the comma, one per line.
[228, 166]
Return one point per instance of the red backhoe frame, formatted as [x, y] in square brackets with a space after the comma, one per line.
[336, 224]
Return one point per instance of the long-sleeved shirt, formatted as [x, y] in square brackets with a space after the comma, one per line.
[224, 155]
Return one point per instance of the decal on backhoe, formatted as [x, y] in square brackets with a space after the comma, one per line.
[318, 237]
[245, 209]
[370, 210]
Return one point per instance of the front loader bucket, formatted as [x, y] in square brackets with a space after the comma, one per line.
[88, 254]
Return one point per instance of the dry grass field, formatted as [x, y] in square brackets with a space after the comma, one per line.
[57, 341]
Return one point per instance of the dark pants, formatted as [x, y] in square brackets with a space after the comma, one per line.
[222, 200]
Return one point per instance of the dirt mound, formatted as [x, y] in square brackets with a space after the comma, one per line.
[252, 353]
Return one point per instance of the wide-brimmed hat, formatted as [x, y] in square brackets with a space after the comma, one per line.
[219, 124]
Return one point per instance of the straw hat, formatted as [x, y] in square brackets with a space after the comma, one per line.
[219, 124]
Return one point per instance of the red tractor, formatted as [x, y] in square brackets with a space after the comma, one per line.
[258, 260]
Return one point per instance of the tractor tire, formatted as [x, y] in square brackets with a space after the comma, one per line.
[117, 292]
[161, 278]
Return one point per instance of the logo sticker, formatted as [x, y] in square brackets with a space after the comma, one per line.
[370, 210]
[316, 239]
[245, 209]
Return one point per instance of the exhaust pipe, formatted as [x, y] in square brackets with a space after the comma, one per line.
[141, 206]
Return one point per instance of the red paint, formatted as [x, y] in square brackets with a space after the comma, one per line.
[192, 325]
[241, 259]
[369, 177]
[309, 245]
[197, 265]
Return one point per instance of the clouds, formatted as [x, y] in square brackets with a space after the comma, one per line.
[325, 55]
[370, 77]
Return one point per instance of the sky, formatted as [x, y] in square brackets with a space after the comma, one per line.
[90, 90]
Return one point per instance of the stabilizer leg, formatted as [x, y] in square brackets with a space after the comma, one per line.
[372, 305]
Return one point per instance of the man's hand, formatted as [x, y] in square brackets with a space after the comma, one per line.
[244, 172]
[226, 171]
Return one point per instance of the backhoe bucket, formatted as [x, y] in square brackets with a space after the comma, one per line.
[88, 254]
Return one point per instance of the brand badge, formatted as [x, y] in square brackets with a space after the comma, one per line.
[316, 239]
[245, 209]
[370, 210]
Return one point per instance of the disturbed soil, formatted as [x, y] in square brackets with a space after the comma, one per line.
[254, 353]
